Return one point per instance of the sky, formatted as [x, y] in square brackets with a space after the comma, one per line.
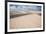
[25, 7]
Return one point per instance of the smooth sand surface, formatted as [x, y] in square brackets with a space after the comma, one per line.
[26, 21]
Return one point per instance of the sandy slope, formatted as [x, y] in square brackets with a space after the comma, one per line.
[26, 21]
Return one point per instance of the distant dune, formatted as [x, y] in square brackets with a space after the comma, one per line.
[21, 13]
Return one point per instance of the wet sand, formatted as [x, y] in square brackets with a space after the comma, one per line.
[26, 21]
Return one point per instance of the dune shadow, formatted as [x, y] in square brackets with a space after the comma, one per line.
[18, 15]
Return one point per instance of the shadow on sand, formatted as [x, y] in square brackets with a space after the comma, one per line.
[18, 15]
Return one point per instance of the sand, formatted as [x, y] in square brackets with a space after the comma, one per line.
[26, 21]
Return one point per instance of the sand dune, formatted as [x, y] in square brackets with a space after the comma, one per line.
[26, 21]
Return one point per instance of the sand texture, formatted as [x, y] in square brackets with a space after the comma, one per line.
[26, 21]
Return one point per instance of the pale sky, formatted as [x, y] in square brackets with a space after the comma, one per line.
[25, 7]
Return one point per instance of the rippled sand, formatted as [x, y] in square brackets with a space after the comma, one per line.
[26, 21]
